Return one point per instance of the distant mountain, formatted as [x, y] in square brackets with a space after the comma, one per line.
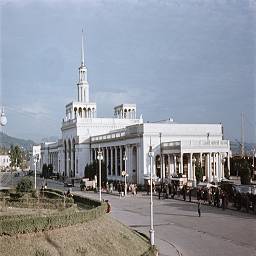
[6, 142]
[51, 139]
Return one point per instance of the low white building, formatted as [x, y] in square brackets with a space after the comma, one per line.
[4, 162]
[176, 146]
[35, 160]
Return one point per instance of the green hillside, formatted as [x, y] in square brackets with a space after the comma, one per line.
[6, 141]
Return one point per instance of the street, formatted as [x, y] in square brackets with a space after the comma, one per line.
[178, 229]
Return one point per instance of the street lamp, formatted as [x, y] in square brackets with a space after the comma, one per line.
[100, 158]
[124, 173]
[151, 231]
[35, 162]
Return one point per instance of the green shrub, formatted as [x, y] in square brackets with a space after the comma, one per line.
[16, 196]
[25, 185]
[10, 225]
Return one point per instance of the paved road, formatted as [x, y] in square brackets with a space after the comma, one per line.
[179, 230]
[177, 224]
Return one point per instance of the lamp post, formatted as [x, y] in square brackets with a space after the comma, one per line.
[151, 231]
[125, 174]
[161, 161]
[35, 162]
[100, 158]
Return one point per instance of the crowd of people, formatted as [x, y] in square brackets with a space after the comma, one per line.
[121, 187]
[213, 195]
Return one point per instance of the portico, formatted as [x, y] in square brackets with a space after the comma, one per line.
[180, 157]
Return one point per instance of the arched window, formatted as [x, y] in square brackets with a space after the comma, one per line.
[80, 112]
[75, 111]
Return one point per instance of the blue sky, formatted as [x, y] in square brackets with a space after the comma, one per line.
[191, 60]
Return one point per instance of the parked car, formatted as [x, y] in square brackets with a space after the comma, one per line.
[68, 183]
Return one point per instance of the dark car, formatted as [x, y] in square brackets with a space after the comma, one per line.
[68, 183]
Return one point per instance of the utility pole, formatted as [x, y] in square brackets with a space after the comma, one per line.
[151, 231]
[100, 158]
[242, 134]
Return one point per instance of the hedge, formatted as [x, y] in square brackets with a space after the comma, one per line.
[87, 201]
[11, 225]
[51, 200]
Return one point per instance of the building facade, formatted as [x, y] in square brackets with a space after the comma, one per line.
[125, 140]
[4, 162]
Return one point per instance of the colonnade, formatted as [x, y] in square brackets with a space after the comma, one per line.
[69, 158]
[113, 156]
[185, 163]
[85, 112]
[126, 113]
[53, 160]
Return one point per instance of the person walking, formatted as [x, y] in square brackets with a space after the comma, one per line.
[189, 194]
[199, 208]
[223, 200]
[159, 191]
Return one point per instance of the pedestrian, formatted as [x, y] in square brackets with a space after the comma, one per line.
[159, 192]
[184, 194]
[189, 194]
[148, 187]
[223, 200]
[108, 210]
[199, 208]
[198, 194]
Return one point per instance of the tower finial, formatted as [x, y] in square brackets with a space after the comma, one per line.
[82, 49]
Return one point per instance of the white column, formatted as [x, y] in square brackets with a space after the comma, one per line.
[138, 164]
[115, 160]
[107, 161]
[111, 161]
[214, 163]
[169, 165]
[228, 163]
[219, 167]
[128, 158]
[175, 164]
[209, 167]
[181, 162]
[121, 159]
[190, 173]
[163, 167]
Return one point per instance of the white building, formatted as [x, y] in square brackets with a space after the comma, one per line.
[176, 146]
[4, 162]
[35, 161]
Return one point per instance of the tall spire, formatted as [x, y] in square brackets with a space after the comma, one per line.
[82, 49]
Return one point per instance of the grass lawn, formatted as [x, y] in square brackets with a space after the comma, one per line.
[99, 237]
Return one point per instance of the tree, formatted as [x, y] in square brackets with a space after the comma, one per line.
[245, 172]
[198, 171]
[45, 171]
[241, 166]
[15, 156]
[92, 169]
[25, 185]
[50, 170]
